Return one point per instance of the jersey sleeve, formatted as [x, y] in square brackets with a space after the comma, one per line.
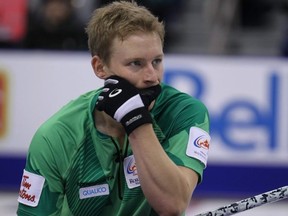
[188, 138]
[182, 127]
[41, 189]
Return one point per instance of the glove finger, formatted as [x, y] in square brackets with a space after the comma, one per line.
[100, 105]
[150, 94]
[100, 99]
[111, 81]
[104, 90]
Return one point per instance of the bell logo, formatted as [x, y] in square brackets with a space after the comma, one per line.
[3, 103]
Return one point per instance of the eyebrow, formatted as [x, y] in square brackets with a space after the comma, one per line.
[140, 58]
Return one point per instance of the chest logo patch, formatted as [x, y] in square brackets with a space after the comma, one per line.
[30, 189]
[130, 171]
[93, 191]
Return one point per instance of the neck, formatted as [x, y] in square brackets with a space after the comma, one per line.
[107, 125]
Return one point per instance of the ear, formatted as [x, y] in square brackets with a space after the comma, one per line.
[98, 67]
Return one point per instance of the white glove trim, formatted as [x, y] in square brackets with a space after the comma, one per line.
[131, 104]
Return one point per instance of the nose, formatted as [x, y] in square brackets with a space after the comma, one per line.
[151, 75]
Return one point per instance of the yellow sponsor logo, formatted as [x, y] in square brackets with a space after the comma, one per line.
[3, 103]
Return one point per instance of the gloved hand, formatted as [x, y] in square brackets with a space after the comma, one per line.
[122, 101]
[149, 94]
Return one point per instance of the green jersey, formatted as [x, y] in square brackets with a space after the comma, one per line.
[73, 169]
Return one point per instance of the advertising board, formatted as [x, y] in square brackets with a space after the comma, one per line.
[247, 99]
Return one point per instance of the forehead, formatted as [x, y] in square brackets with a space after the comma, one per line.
[137, 45]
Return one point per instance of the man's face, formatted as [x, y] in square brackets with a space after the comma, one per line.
[138, 59]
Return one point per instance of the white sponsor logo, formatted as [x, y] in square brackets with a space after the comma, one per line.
[130, 171]
[31, 188]
[93, 191]
[198, 144]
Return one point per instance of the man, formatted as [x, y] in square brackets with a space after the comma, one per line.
[134, 147]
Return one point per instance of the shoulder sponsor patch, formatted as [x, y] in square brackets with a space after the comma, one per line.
[30, 189]
[130, 171]
[198, 144]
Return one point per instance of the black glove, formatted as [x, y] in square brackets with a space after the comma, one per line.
[122, 101]
[149, 94]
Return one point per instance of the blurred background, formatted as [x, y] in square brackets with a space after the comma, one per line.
[231, 54]
[218, 27]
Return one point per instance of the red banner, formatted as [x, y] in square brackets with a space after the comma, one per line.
[3, 103]
[13, 20]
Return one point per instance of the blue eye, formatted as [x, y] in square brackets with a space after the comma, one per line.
[135, 63]
[157, 62]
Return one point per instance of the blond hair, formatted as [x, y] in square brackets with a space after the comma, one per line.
[119, 19]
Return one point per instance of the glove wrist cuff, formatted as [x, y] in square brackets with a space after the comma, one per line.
[135, 119]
